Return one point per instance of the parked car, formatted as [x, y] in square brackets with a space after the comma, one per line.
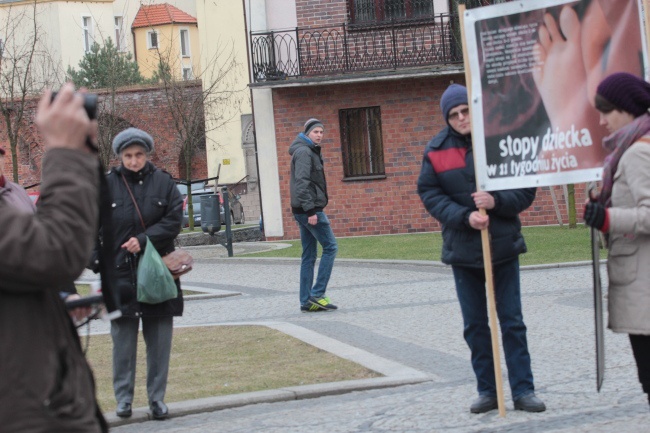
[236, 209]
[237, 215]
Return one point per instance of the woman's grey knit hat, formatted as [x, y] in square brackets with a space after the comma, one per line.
[131, 136]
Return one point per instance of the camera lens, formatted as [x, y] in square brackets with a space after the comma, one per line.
[90, 104]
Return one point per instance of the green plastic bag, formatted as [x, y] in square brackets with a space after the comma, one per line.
[155, 282]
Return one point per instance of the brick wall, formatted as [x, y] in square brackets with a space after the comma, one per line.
[144, 108]
[410, 116]
[321, 13]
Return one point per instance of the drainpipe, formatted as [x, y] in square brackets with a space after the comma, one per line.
[135, 51]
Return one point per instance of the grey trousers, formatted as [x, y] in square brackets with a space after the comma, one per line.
[157, 332]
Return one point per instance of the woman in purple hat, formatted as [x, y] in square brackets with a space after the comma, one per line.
[622, 210]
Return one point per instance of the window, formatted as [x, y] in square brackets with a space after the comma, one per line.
[2, 48]
[187, 73]
[373, 11]
[185, 43]
[361, 142]
[119, 34]
[87, 27]
[152, 39]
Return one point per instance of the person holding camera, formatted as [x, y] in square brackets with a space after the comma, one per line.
[146, 203]
[15, 195]
[47, 384]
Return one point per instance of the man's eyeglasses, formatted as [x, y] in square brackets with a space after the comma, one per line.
[456, 114]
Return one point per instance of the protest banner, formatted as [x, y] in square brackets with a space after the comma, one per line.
[535, 67]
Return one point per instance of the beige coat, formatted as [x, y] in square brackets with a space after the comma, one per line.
[629, 243]
[46, 384]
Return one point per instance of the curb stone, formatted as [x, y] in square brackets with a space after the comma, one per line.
[395, 374]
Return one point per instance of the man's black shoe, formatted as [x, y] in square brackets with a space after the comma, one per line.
[530, 403]
[159, 410]
[484, 403]
[123, 410]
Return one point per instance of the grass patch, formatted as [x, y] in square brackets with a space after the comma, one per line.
[197, 229]
[192, 292]
[84, 290]
[548, 244]
[220, 360]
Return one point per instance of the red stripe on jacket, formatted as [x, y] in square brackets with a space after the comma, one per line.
[448, 159]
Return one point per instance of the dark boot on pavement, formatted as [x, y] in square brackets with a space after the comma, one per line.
[484, 403]
[530, 403]
[123, 410]
[159, 410]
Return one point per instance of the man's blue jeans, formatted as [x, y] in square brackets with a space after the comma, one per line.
[309, 236]
[470, 287]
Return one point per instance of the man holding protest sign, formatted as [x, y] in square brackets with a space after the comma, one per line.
[447, 188]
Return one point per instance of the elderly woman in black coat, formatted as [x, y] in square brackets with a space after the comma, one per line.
[160, 205]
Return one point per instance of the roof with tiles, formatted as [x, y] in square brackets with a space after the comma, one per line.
[156, 15]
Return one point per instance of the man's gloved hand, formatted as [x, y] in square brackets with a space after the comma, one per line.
[596, 216]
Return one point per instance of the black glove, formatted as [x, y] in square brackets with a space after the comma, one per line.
[595, 214]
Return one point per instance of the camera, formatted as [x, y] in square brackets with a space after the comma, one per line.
[90, 104]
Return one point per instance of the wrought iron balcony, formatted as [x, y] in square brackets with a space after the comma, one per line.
[350, 48]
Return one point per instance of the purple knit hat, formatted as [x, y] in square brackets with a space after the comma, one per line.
[627, 92]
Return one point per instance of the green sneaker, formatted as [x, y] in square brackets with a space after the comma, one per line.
[311, 308]
[323, 303]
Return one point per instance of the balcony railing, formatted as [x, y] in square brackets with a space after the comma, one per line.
[306, 52]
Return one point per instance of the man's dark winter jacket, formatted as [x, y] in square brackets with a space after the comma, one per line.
[46, 384]
[308, 185]
[161, 206]
[445, 186]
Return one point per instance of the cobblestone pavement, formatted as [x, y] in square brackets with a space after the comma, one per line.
[408, 313]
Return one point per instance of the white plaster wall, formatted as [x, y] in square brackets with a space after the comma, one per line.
[267, 156]
[221, 27]
[71, 33]
[280, 14]
[256, 15]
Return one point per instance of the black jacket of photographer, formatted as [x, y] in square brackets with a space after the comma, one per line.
[161, 205]
[445, 185]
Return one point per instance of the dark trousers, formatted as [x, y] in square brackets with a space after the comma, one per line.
[470, 288]
[641, 350]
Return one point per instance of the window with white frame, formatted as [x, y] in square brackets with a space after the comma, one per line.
[185, 43]
[187, 73]
[87, 27]
[152, 39]
[120, 42]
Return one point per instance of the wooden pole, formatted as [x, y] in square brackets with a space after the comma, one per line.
[485, 239]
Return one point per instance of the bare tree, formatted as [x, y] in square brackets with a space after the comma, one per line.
[199, 107]
[26, 69]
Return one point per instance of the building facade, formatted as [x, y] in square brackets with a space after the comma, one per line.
[198, 34]
[164, 33]
[373, 72]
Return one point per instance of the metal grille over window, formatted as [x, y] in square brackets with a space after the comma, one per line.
[364, 10]
[361, 142]
[377, 11]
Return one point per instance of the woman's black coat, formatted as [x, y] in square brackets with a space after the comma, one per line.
[161, 205]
